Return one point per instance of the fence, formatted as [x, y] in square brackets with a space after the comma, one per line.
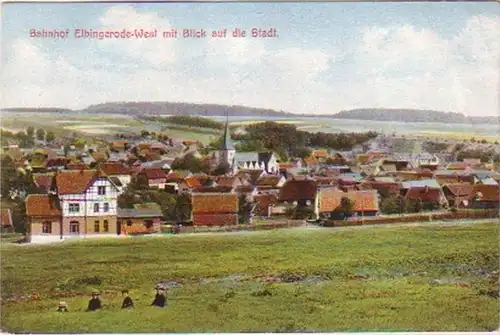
[242, 227]
[422, 217]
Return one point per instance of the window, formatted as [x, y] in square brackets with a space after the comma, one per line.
[96, 208]
[47, 227]
[106, 226]
[101, 190]
[96, 226]
[74, 208]
[74, 227]
[129, 223]
[106, 207]
[148, 224]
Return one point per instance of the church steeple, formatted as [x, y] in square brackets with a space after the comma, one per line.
[227, 143]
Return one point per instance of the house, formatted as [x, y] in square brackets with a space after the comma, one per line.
[484, 197]
[264, 204]
[119, 171]
[156, 178]
[43, 181]
[266, 182]
[191, 183]
[299, 192]
[44, 218]
[365, 203]
[457, 193]
[232, 182]
[384, 188]
[6, 219]
[84, 201]
[142, 218]
[426, 160]
[214, 209]
[250, 176]
[430, 198]
[320, 155]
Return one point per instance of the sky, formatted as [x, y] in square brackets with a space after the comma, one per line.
[327, 57]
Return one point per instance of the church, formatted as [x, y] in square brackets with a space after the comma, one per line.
[264, 161]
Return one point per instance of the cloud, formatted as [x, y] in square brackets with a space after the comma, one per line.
[391, 66]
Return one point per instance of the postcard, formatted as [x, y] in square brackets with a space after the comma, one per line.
[256, 167]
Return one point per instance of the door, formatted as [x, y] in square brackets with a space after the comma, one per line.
[118, 227]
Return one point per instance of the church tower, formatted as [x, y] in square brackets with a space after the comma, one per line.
[227, 150]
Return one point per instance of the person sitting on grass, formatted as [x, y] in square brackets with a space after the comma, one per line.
[160, 299]
[127, 301]
[94, 303]
[62, 307]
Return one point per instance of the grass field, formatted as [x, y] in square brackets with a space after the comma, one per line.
[402, 279]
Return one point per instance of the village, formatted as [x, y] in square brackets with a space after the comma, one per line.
[146, 185]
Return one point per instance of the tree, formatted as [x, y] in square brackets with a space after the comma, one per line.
[30, 132]
[40, 134]
[183, 207]
[50, 136]
[144, 133]
[222, 169]
[303, 152]
[139, 183]
[244, 209]
[191, 163]
[346, 207]
[9, 177]
[390, 205]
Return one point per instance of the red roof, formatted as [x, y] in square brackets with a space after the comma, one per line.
[268, 180]
[57, 162]
[42, 205]
[215, 203]
[458, 189]
[424, 194]
[75, 182]
[330, 200]
[486, 192]
[296, 190]
[264, 201]
[44, 181]
[154, 173]
[113, 169]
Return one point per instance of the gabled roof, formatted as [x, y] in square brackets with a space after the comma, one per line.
[75, 182]
[193, 182]
[154, 173]
[43, 205]
[296, 190]
[330, 200]
[458, 189]
[228, 181]
[77, 166]
[424, 194]
[252, 175]
[114, 169]
[43, 180]
[214, 203]
[268, 180]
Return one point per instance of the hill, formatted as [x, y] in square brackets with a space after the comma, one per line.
[412, 115]
[181, 108]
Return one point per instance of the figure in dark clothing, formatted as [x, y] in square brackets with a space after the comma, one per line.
[127, 301]
[160, 299]
[94, 303]
[62, 307]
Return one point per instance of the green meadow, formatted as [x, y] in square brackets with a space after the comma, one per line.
[408, 278]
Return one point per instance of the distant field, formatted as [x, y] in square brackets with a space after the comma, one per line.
[91, 124]
[427, 278]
